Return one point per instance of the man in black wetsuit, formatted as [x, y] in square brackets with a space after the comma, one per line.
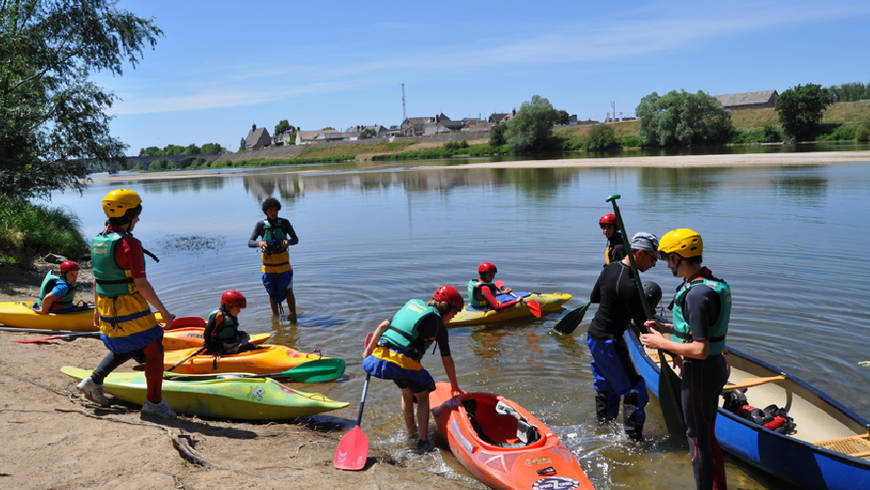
[619, 303]
[702, 308]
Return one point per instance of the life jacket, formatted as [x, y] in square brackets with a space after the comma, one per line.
[228, 329]
[475, 295]
[124, 314]
[274, 262]
[682, 330]
[48, 283]
[404, 330]
[609, 255]
[772, 417]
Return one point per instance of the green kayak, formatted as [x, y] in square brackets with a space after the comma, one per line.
[235, 398]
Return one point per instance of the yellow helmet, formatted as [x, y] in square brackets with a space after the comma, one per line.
[117, 202]
[683, 241]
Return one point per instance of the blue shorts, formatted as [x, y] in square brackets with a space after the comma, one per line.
[277, 284]
[418, 381]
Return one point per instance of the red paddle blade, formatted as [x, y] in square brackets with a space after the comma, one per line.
[534, 307]
[352, 451]
[186, 322]
[36, 341]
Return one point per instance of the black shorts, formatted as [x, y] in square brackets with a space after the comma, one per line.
[414, 387]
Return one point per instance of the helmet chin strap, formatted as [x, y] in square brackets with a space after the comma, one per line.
[676, 265]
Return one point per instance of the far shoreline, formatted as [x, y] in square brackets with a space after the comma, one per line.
[675, 161]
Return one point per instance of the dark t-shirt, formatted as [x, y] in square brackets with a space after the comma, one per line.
[618, 300]
[432, 326]
[260, 229]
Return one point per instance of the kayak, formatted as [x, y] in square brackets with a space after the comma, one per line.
[20, 314]
[502, 444]
[185, 338]
[264, 360]
[239, 399]
[470, 315]
[815, 442]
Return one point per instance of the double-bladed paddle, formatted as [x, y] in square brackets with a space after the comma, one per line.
[571, 320]
[669, 382]
[315, 371]
[534, 306]
[353, 449]
[181, 322]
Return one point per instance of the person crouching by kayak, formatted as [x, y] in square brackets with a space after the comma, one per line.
[222, 334]
[702, 309]
[615, 375]
[399, 343]
[56, 293]
[482, 291]
[278, 235]
[615, 250]
[122, 292]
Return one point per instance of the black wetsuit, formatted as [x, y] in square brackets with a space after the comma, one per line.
[615, 248]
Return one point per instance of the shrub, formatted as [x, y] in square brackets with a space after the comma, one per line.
[28, 231]
[456, 145]
[601, 138]
[862, 133]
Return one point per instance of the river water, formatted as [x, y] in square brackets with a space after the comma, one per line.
[789, 240]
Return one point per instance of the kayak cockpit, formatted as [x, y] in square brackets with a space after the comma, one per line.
[497, 423]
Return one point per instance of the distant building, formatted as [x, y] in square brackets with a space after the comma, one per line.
[257, 138]
[307, 137]
[501, 117]
[748, 100]
[413, 126]
[352, 133]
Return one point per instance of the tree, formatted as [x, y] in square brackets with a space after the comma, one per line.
[282, 126]
[496, 135]
[563, 117]
[212, 149]
[800, 110]
[532, 127]
[191, 149]
[52, 118]
[601, 138]
[367, 133]
[683, 119]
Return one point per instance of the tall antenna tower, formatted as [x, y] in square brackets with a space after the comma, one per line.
[404, 115]
[613, 110]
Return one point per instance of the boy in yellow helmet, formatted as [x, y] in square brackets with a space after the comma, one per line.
[122, 291]
[702, 308]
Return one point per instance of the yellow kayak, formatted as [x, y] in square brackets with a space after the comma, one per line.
[266, 359]
[473, 316]
[239, 399]
[20, 314]
[185, 338]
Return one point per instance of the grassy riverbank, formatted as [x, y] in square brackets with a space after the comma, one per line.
[28, 231]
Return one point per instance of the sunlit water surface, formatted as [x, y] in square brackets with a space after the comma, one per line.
[790, 241]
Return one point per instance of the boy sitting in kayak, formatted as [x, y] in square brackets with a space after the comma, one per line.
[222, 335]
[56, 293]
[482, 292]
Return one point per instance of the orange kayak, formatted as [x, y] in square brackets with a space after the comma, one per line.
[502, 444]
[265, 360]
[185, 338]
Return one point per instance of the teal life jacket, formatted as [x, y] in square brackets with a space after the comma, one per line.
[404, 332]
[273, 231]
[475, 295]
[229, 327]
[683, 331]
[48, 283]
[111, 280]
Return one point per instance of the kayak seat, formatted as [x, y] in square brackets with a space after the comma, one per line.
[471, 409]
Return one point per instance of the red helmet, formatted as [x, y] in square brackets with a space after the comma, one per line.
[68, 265]
[607, 219]
[450, 295]
[487, 267]
[231, 297]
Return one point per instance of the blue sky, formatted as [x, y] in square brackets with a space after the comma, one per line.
[222, 66]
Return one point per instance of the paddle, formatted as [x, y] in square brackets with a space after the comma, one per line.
[186, 322]
[198, 351]
[750, 382]
[534, 306]
[67, 337]
[315, 371]
[572, 319]
[669, 382]
[353, 449]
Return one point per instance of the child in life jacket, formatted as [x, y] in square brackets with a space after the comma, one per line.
[222, 334]
[56, 293]
[482, 291]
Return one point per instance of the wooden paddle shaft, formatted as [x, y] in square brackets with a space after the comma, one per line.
[750, 382]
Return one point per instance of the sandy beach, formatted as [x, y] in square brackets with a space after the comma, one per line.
[54, 438]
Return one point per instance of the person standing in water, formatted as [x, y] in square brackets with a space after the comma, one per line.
[277, 235]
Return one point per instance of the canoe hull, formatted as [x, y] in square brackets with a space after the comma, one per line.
[269, 359]
[20, 314]
[545, 463]
[792, 460]
[549, 302]
[237, 399]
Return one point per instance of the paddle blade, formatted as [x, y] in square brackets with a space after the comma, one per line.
[669, 399]
[352, 451]
[36, 341]
[186, 322]
[534, 308]
[316, 371]
[572, 319]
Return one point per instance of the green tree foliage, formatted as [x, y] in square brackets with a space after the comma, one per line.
[682, 119]
[52, 118]
[531, 128]
[496, 135]
[800, 110]
[212, 149]
[28, 231]
[849, 92]
[601, 138]
[282, 126]
[367, 133]
[862, 133]
[563, 117]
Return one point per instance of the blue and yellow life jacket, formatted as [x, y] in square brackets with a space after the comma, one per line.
[683, 331]
[48, 283]
[475, 295]
[404, 332]
[274, 262]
